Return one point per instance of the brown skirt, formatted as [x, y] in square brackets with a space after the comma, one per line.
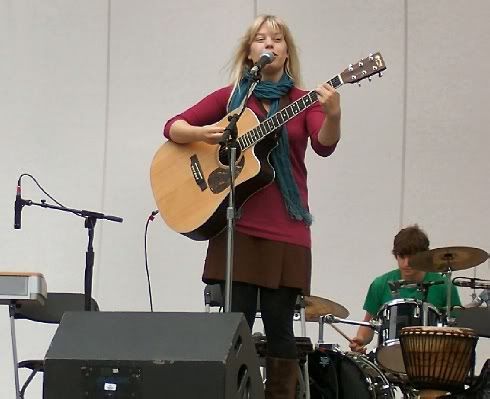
[259, 261]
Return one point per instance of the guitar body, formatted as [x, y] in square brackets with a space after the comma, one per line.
[190, 182]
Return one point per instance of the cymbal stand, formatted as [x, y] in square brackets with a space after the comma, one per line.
[473, 294]
[448, 273]
[302, 314]
[424, 291]
[330, 319]
[320, 330]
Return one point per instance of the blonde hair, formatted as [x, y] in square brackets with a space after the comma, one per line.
[240, 60]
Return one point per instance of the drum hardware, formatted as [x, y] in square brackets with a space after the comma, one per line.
[330, 319]
[299, 313]
[449, 320]
[329, 347]
[425, 315]
[472, 282]
[478, 300]
[316, 306]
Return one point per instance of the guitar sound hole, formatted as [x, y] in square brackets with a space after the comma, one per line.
[223, 154]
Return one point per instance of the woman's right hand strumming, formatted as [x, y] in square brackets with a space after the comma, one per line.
[212, 134]
[182, 132]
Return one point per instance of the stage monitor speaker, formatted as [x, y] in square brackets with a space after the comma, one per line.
[132, 355]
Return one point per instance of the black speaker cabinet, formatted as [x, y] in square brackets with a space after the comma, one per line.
[131, 355]
[476, 318]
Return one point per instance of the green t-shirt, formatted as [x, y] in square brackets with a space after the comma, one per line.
[379, 292]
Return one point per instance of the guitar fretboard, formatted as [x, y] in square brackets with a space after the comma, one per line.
[275, 121]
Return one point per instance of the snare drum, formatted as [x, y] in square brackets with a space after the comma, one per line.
[394, 316]
[438, 357]
[348, 375]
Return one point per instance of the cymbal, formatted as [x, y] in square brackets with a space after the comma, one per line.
[448, 258]
[316, 306]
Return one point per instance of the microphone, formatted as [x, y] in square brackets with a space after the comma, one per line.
[18, 207]
[265, 58]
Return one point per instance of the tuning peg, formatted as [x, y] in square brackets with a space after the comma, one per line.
[353, 77]
[369, 78]
[380, 74]
[350, 68]
[359, 83]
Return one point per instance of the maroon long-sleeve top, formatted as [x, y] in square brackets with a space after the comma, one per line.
[264, 214]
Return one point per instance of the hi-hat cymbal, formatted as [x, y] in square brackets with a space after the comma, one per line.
[316, 306]
[448, 258]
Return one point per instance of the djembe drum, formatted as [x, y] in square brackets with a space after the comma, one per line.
[438, 359]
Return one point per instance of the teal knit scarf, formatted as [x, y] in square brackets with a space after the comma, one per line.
[273, 91]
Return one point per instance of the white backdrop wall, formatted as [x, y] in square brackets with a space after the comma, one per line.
[85, 88]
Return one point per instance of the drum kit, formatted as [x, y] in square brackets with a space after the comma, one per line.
[421, 350]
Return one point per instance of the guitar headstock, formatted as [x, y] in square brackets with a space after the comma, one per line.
[365, 68]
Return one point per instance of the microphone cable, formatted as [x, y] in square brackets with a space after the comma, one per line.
[42, 189]
[148, 220]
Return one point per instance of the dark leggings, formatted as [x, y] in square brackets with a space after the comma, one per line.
[277, 311]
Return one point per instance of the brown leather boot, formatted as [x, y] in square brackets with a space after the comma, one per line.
[281, 378]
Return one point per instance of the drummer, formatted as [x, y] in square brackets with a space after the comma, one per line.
[407, 242]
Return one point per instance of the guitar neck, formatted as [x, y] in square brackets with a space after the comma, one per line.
[281, 117]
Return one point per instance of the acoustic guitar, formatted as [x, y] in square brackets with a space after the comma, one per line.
[190, 182]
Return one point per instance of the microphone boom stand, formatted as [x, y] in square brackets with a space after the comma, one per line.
[90, 220]
[229, 140]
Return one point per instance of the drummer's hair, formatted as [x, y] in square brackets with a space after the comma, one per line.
[409, 241]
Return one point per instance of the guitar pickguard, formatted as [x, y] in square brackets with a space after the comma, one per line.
[219, 179]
